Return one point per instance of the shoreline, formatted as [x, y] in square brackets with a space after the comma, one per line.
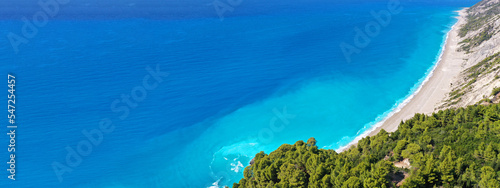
[432, 90]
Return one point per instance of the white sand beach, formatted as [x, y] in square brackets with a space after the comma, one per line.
[434, 90]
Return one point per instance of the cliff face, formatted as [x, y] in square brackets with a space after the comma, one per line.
[480, 39]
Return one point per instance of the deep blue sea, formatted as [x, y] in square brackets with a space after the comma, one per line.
[187, 97]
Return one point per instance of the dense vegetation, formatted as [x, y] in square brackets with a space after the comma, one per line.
[451, 148]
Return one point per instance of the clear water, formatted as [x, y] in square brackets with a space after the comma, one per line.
[269, 73]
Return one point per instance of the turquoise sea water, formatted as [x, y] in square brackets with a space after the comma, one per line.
[267, 74]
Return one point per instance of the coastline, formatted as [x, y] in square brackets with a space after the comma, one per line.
[431, 91]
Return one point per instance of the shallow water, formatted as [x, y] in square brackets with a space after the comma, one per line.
[267, 74]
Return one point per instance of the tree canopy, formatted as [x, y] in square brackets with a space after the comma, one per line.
[450, 148]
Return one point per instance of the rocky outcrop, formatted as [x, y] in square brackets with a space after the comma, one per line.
[480, 43]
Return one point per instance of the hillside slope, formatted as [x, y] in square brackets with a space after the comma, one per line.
[457, 146]
[480, 44]
[451, 148]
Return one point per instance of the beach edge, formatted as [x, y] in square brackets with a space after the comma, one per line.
[432, 90]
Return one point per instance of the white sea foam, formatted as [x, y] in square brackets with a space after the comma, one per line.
[215, 184]
[237, 167]
[231, 157]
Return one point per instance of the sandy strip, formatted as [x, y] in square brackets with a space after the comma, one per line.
[433, 91]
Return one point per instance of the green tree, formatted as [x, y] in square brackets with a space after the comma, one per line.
[352, 182]
[488, 178]
[444, 151]
[410, 150]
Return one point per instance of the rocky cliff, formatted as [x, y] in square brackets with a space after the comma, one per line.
[480, 39]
